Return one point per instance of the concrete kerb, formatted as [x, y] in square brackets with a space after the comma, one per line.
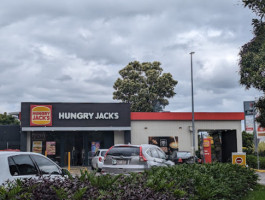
[260, 170]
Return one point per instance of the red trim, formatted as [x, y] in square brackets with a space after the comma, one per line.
[186, 116]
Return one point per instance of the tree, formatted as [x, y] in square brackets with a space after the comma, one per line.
[248, 145]
[6, 119]
[252, 56]
[144, 86]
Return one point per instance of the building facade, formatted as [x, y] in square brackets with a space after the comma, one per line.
[81, 128]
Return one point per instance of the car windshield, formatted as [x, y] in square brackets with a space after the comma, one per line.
[124, 151]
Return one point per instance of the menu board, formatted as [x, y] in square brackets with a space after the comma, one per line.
[37, 146]
[50, 148]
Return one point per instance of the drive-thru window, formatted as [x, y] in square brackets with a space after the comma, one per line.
[172, 131]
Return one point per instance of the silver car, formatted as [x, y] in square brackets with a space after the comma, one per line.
[123, 159]
[20, 165]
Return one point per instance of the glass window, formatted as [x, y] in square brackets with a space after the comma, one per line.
[97, 154]
[154, 153]
[103, 153]
[124, 151]
[45, 165]
[12, 167]
[184, 154]
[148, 152]
[25, 165]
[161, 154]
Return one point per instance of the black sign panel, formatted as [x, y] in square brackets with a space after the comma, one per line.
[249, 107]
[78, 114]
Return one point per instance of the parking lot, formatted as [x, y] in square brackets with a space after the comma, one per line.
[76, 170]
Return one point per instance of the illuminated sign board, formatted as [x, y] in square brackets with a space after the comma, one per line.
[75, 114]
[40, 115]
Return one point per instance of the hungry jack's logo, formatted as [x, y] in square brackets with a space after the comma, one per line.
[40, 115]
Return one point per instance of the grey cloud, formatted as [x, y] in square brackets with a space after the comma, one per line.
[65, 78]
[72, 50]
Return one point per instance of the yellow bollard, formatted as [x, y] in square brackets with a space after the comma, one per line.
[46, 153]
[69, 161]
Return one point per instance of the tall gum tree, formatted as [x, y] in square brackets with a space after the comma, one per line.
[144, 86]
[252, 56]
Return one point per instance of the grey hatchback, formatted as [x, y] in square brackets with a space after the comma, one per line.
[122, 159]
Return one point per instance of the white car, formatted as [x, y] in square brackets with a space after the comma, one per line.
[98, 159]
[19, 165]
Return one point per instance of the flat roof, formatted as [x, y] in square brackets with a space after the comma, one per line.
[187, 116]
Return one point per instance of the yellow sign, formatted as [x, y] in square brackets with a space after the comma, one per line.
[40, 115]
[211, 139]
[206, 143]
[37, 146]
[239, 158]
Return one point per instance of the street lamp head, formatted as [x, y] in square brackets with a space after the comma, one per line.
[192, 53]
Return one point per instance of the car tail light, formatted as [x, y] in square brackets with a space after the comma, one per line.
[107, 152]
[100, 159]
[142, 158]
[199, 160]
[180, 160]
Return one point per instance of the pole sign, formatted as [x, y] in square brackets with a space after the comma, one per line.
[239, 158]
[249, 112]
[207, 150]
[250, 117]
[260, 131]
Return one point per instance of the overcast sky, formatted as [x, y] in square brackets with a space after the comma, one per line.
[72, 50]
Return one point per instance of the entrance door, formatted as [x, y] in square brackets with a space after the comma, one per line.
[74, 145]
[78, 144]
[229, 145]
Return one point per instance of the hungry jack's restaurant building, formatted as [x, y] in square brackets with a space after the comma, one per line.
[81, 128]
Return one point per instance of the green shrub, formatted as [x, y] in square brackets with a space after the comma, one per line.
[252, 161]
[187, 181]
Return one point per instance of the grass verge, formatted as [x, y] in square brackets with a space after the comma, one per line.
[257, 194]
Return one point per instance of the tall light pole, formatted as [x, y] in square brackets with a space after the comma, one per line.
[192, 103]
[256, 143]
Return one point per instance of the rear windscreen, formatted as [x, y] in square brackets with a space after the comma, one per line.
[184, 154]
[124, 151]
[103, 153]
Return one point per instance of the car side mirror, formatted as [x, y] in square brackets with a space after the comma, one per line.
[65, 172]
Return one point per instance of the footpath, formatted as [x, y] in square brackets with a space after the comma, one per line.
[261, 174]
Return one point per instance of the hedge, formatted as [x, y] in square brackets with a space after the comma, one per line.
[187, 181]
[252, 161]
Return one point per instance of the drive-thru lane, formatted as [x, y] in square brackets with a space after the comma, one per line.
[261, 178]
